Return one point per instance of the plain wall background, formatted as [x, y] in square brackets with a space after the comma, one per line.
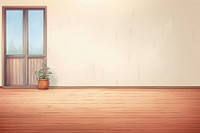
[121, 42]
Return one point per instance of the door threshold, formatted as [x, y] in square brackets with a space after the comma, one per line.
[20, 87]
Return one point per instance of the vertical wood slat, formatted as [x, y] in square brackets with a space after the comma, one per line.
[8, 79]
[34, 65]
[14, 71]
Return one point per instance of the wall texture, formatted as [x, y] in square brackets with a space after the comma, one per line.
[121, 42]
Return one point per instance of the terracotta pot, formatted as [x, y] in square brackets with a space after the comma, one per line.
[43, 84]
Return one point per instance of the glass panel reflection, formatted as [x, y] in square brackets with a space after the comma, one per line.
[35, 32]
[14, 32]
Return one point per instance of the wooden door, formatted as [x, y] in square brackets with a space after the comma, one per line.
[24, 44]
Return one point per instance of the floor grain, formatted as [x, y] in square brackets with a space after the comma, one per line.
[100, 110]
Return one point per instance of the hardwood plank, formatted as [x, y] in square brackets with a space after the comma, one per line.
[100, 110]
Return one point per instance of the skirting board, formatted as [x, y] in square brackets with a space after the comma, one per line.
[104, 87]
[125, 87]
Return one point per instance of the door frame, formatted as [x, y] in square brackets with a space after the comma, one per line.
[4, 8]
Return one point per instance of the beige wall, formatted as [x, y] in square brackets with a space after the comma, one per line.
[122, 42]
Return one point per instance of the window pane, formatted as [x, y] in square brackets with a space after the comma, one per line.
[35, 31]
[14, 32]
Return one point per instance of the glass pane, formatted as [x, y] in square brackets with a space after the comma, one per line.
[14, 32]
[35, 31]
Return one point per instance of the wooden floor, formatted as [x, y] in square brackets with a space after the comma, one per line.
[100, 110]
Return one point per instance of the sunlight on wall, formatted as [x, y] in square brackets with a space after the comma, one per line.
[122, 42]
[93, 2]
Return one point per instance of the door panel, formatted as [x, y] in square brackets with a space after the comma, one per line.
[14, 48]
[15, 75]
[34, 65]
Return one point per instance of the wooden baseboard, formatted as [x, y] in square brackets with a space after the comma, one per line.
[126, 87]
[104, 87]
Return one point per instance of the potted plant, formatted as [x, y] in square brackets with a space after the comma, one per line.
[43, 77]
